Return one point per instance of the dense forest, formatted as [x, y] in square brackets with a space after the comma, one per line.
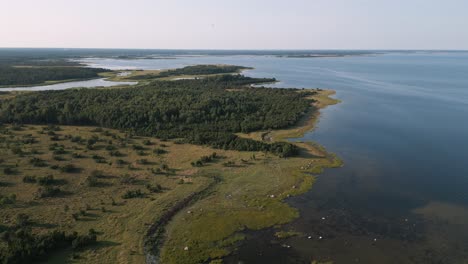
[205, 111]
[192, 70]
[10, 75]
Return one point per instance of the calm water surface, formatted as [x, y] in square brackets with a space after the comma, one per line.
[102, 82]
[402, 131]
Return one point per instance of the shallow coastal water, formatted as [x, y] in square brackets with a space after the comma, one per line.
[402, 196]
[102, 82]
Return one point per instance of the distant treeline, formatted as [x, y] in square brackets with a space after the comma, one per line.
[205, 111]
[192, 70]
[204, 69]
[14, 61]
[38, 75]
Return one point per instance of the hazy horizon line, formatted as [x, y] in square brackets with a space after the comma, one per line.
[232, 49]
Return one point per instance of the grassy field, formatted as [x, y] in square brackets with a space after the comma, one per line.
[120, 222]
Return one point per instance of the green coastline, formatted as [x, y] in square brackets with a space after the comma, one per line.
[206, 196]
[214, 226]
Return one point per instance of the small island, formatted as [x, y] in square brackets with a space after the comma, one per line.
[172, 170]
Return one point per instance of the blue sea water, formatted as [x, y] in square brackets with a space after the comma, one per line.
[407, 110]
[402, 132]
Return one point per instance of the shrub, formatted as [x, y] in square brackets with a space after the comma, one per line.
[138, 147]
[46, 180]
[143, 161]
[77, 156]
[48, 191]
[37, 162]
[120, 162]
[127, 179]
[69, 168]
[97, 174]
[76, 139]
[92, 181]
[111, 147]
[29, 179]
[17, 127]
[130, 194]
[197, 163]
[22, 220]
[98, 159]
[204, 159]
[29, 140]
[141, 153]
[52, 128]
[35, 152]
[115, 153]
[17, 151]
[9, 170]
[58, 158]
[55, 138]
[55, 146]
[85, 240]
[97, 129]
[157, 171]
[229, 164]
[59, 151]
[154, 188]
[10, 199]
[159, 151]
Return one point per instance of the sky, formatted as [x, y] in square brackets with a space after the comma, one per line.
[239, 24]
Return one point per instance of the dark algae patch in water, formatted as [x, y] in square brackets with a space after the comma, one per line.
[340, 230]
